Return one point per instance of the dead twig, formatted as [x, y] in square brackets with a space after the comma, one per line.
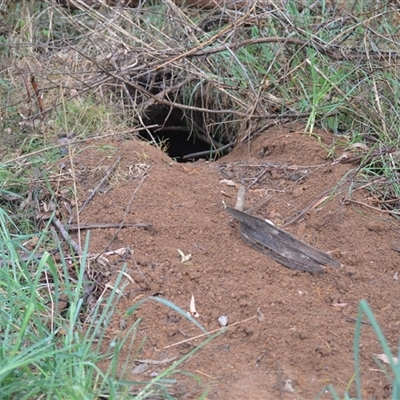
[58, 146]
[57, 223]
[127, 210]
[351, 54]
[209, 153]
[156, 362]
[76, 227]
[315, 203]
[88, 286]
[345, 201]
[101, 183]
[350, 319]
[38, 95]
[210, 332]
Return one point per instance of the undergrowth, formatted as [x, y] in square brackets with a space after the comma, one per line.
[72, 76]
[51, 346]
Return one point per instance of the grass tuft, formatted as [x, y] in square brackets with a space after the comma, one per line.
[50, 345]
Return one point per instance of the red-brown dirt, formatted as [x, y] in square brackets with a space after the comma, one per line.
[283, 324]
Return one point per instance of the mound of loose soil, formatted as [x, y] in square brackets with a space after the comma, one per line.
[290, 333]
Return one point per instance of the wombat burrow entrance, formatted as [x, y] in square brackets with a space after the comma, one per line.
[182, 129]
[183, 137]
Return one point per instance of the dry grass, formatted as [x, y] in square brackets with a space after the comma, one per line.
[229, 72]
[222, 75]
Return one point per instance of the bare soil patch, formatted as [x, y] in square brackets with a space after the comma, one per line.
[305, 340]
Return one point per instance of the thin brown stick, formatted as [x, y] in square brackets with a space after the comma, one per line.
[208, 153]
[38, 95]
[315, 203]
[127, 210]
[351, 55]
[88, 286]
[98, 187]
[391, 201]
[76, 227]
[209, 333]
[57, 223]
[371, 207]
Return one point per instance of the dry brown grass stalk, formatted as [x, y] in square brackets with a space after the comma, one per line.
[151, 58]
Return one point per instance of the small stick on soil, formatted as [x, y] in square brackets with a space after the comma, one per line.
[97, 188]
[57, 223]
[156, 362]
[127, 210]
[209, 333]
[259, 206]
[88, 287]
[261, 130]
[371, 207]
[77, 227]
[208, 152]
[203, 373]
[315, 203]
[257, 179]
[350, 319]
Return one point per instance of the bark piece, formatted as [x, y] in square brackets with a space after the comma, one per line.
[280, 245]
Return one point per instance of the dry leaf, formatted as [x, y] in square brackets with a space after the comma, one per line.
[361, 146]
[184, 257]
[383, 357]
[339, 304]
[228, 182]
[120, 252]
[30, 244]
[139, 369]
[193, 308]
[288, 386]
[260, 315]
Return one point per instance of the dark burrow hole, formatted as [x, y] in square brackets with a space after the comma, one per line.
[184, 134]
[182, 137]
